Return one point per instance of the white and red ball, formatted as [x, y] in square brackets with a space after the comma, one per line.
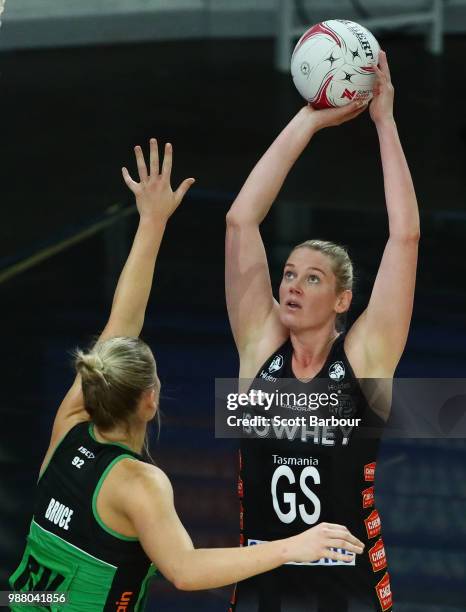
[333, 63]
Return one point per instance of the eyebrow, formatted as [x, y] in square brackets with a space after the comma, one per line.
[308, 268]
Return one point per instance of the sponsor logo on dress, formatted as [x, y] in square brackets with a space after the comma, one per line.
[368, 497]
[86, 452]
[337, 371]
[324, 561]
[377, 556]
[369, 472]
[240, 488]
[124, 601]
[267, 377]
[373, 525]
[277, 364]
[384, 592]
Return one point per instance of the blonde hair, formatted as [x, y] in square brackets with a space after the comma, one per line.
[342, 266]
[114, 374]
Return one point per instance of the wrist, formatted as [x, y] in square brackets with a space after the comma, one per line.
[153, 221]
[308, 119]
[387, 122]
[286, 547]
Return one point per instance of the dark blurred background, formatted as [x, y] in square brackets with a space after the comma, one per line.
[79, 86]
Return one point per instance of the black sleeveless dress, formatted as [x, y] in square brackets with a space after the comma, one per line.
[293, 478]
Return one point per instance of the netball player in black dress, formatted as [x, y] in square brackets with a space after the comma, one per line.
[329, 474]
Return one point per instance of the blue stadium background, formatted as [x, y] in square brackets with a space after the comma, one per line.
[69, 121]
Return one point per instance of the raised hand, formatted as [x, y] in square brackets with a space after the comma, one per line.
[381, 107]
[154, 195]
[329, 117]
[319, 541]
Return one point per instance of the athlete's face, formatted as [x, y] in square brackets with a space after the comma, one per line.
[308, 295]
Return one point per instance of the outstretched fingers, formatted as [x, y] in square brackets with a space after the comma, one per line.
[128, 180]
[167, 160]
[154, 157]
[156, 185]
[141, 163]
[183, 189]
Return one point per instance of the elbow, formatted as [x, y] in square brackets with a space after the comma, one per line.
[177, 579]
[238, 219]
[233, 218]
[407, 235]
[181, 576]
[180, 584]
[184, 583]
[174, 574]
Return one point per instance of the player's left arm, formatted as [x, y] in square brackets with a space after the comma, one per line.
[379, 335]
[155, 202]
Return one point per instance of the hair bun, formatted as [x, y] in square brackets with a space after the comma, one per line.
[114, 375]
[90, 366]
[92, 361]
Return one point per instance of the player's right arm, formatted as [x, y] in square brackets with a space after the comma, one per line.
[148, 503]
[252, 310]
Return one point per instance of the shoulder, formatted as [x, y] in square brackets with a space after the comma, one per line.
[143, 494]
[139, 480]
[135, 495]
[135, 489]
